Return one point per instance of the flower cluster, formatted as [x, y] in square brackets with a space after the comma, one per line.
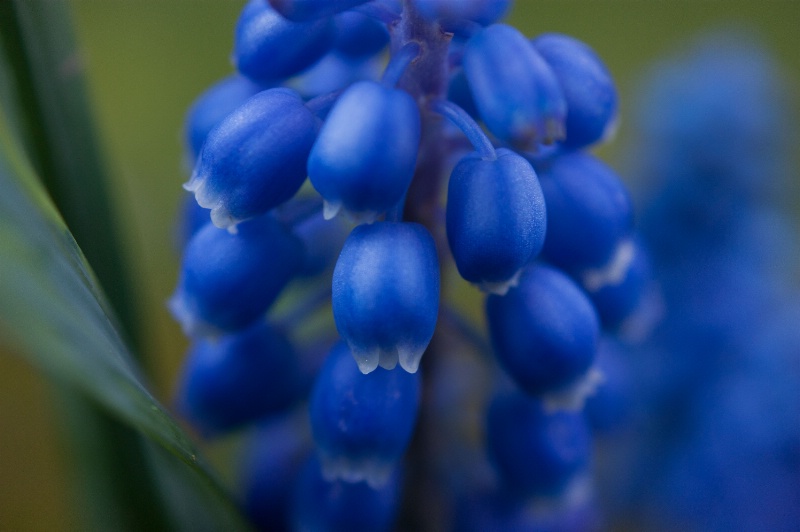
[530, 217]
[718, 449]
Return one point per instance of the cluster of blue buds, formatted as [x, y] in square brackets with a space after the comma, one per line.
[388, 107]
[717, 444]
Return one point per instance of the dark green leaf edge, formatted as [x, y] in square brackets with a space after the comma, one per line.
[62, 142]
[53, 312]
[45, 90]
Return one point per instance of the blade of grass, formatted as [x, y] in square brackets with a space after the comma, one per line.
[52, 113]
[63, 143]
[53, 313]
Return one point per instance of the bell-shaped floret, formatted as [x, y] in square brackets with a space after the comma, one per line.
[515, 91]
[273, 459]
[239, 378]
[483, 12]
[386, 294]
[228, 280]
[536, 452]
[358, 35]
[255, 159]
[587, 87]
[301, 10]
[211, 107]
[362, 423]
[618, 289]
[364, 157]
[339, 506]
[544, 332]
[589, 212]
[270, 48]
[495, 218]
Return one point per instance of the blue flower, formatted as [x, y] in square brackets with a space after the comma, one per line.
[229, 280]
[386, 294]
[362, 423]
[255, 159]
[496, 218]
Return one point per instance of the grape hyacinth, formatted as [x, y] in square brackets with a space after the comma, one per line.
[464, 156]
[713, 394]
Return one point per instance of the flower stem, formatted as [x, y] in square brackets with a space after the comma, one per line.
[399, 63]
[467, 125]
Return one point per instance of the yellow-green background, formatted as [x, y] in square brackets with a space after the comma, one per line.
[147, 59]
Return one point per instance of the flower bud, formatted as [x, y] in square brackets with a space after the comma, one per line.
[386, 294]
[255, 159]
[495, 218]
[362, 423]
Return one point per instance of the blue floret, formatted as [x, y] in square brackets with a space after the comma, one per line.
[269, 48]
[386, 294]
[239, 378]
[515, 90]
[362, 423]
[339, 506]
[211, 107]
[536, 452]
[227, 281]
[589, 211]
[544, 331]
[496, 218]
[255, 159]
[587, 86]
[364, 157]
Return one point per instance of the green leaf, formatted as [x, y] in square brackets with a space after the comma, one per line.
[52, 311]
[125, 481]
[55, 120]
[50, 111]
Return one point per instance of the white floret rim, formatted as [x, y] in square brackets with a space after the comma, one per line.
[501, 288]
[573, 397]
[407, 355]
[614, 271]
[373, 470]
[220, 215]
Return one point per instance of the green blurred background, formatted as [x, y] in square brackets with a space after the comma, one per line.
[147, 59]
